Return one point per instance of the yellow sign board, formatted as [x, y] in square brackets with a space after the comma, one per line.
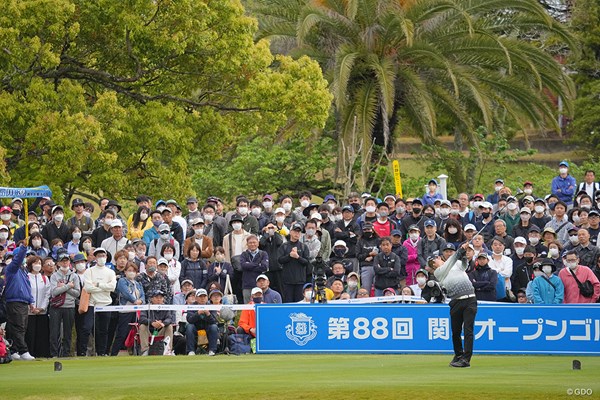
[397, 179]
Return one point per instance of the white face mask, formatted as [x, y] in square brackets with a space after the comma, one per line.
[101, 261]
[87, 214]
[243, 210]
[563, 170]
[58, 217]
[161, 208]
[572, 265]
[267, 205]
[255, 212]
[519, 250]
[444, 212]
[76, 235]
[164, 236]
[370, 209]
[131, 255]
[287, 206]
[87, 246]
[236, 226]
[3, 235]
[534, 241]
[421, 280]
[305, 203]
[36, 267]
[512, 206]
[5, 217]
[537, 273]
[452, 230]
[547, 269]
[198, 232]
[576, 219]
[80, 267]
[498, 188]
[280, 219]
[168, 256]
[553, 252]
[64, 270]
[308, 294]
[130, 275]
[400, 210]
[528, 191]
[539, 209]
[108, 221]
[414, 236]
[310, 232]
[574, 239]
[352, 284]
[525, 217]
[208, 218]
[36, 243]
[143, 216]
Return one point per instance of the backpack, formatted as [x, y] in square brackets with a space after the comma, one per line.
[239, 343]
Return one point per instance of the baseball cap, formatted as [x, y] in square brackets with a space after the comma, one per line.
[470, 227]
[449, 246]
[255, 291]
[215, 291]
[563, 163]
[297, 227]
[99, 250]
[348, 208]
[116, 223]
[413, 228]
[396, 232]
[163, 261]
[201, 292]
[339, 243]
[525, 210]
[164, 228]
[520, 239]
[430, 222]
[187, 281]
[262, 276]
[191, 199]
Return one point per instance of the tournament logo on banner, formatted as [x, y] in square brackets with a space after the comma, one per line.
[301, 330]
[415, 328]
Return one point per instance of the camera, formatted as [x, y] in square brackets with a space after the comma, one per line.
[319, 281]
[436, 292]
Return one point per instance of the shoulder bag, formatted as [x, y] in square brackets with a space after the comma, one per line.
[586, 288]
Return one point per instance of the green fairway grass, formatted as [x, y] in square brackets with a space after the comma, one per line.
[300, 377]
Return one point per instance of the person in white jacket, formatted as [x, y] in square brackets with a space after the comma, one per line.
[38, 325]
[99, 281]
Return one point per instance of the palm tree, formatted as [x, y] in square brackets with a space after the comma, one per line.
[424, 64]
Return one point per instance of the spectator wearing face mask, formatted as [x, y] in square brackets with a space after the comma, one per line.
[139, 224]
[103, 232]
[99, 281]
[564, 185]
[165, 237]
[57, 228]
[572, 293]
[547, 288]
[523, 268]
[36, 245]
[420, 288]
[414, 217]
[412, 245]
[539, 216]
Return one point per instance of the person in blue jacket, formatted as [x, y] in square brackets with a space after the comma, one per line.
[564, 185]
[548, 288]
[19, 300]
[130, 292]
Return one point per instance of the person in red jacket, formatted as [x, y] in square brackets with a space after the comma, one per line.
[247, 322]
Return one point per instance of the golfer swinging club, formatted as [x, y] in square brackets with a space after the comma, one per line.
[463, 304]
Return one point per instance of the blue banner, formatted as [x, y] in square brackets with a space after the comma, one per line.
[40, 191]
[425, 328]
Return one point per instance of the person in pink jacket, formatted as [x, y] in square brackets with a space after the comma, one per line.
[411, 244]
[583, 273]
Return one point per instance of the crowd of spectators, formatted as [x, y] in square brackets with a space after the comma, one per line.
[534, 247]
